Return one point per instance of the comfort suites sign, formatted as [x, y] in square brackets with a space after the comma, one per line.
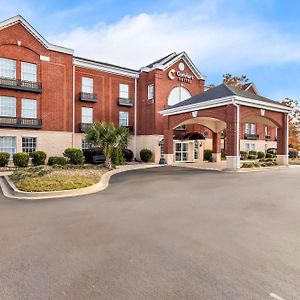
[180, 74]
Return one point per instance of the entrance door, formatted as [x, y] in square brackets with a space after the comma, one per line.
[181, 151]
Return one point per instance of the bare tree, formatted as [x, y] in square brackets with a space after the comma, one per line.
[237, 81]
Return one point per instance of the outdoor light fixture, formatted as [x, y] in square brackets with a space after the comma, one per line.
[262, 112]
[194, 114]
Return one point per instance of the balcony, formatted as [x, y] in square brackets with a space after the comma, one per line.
[267, 138]
[20, 85]
[125, 102]
[90, 97]
[84, 126]
[20, 122]
[251, 136]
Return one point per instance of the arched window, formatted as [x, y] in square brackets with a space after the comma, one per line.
[177, 95]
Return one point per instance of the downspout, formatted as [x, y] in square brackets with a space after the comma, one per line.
[287, 139]
[237, 133]
[135, 117]
[73, 108]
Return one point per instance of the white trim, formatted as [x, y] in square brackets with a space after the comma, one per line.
[19, 19]
[98, 66]
[254, 88]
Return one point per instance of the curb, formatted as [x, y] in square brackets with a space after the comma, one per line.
[9, 190]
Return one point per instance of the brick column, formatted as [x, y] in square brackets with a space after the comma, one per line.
[216, 149]
[168, 146]
[282, 142]
[232, 156]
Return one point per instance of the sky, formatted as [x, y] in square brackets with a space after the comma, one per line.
[256, 38]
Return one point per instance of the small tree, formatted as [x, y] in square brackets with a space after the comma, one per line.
[237, 81]
[108, 137]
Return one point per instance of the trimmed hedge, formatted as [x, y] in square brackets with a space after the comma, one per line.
[128, 155]
[38, 158]
[244, 155]
[4, 159]
[260, 154]
[269, 155]
[207, 154]
[74, 156]
[252, 152]
[21, 159]
[56, 160]
[293, 153]
[146, 155]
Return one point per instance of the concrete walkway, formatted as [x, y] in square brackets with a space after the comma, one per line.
[203, 165]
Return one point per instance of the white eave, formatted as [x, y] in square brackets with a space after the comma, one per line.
[226, 101]
[20, 20]
[98, 66]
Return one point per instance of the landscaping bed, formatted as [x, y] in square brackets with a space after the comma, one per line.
[294, 161]
[56, 178]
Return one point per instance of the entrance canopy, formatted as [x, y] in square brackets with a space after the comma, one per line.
[225, 106]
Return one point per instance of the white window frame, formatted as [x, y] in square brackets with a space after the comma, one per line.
[252, 147]
[10, 147]
[87, 115]
[29, 145]
[29, 108]
[266, 130]
[124, 91]
[151, 91]
[247, 147]
[87, 85]
[8, 68]
[253, 128]
[123, 118]
[8, 106]
[85, 145]
[28, 72]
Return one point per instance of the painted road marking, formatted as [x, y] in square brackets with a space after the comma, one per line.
[276, 296]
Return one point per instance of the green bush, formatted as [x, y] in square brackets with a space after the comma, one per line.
[38, 158]
[251, 156]
[146, 155]
[117, 157]
[248, 165]
[252, 152]
[269, 155]
[244, 155]
[21, 159]
[293, 153]
[128, 154]
[4, 158]
[260, 154]
[207, 154]
[56, 160]
[74, 156]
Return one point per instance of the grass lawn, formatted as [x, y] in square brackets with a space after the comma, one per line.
[45, 178]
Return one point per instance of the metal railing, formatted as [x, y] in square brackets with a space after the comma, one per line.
[16, 84]
[20, 122]
[91, 97]
[251, 136]
[125, 102]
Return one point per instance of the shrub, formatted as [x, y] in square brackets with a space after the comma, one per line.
[251, 156]
[293, 153]
[90, 153]
[38, 158]
[244, 155]
[260, 154]
[207, 154]
[146, 155]
[252, 152]
[21, 159]
[74, 156]
[248, 165]
[269, 155]
[117, 157]
[4, 158]
[56, 160]
[272, 151]
[128, 155]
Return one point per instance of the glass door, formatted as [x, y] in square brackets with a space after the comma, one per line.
[181, 151]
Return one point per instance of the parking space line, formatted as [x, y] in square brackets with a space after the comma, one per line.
[276, 296]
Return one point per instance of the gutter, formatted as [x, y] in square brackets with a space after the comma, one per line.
[73, 108]
[135, 116]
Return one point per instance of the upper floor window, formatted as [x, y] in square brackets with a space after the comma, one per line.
[123, 118]
[7, 68]
[87, 115]
[87, 85]
[150, 91]
[124, 91]
[7, 106]
[177, 95]
[29, 108]
[250, 128]
[28, 72]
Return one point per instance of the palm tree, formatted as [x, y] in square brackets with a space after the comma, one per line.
[108, 137]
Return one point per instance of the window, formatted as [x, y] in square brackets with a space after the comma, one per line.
[252, 147]
[8, 144]
[150, 91]
[29, 109]
[85, 145]
[28, 72]
[177, 95]
[276, 132]
[266, 130]
[181, 127]
[250, 128]
[7, 68]
[7, 106]
[124, 91]
[87, 115]
[87, 85]
[196, 150]
[247, 147]
[123, 118]
[253, 129]
[28, 144]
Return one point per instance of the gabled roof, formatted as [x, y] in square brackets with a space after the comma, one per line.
[167, 61]
[247, 86]
[220, 95]
[20, 20]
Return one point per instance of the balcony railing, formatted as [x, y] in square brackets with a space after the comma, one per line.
[125, 102]
[20, 122]
[84, 126]
[251, 136]
[90, 97]
[267, 137]
[22, 85]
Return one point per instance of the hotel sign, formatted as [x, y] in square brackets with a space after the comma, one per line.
[180, 74]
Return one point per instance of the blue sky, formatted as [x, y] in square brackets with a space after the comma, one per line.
[260, 39]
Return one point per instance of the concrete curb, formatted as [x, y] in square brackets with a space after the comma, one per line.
[10, 191]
